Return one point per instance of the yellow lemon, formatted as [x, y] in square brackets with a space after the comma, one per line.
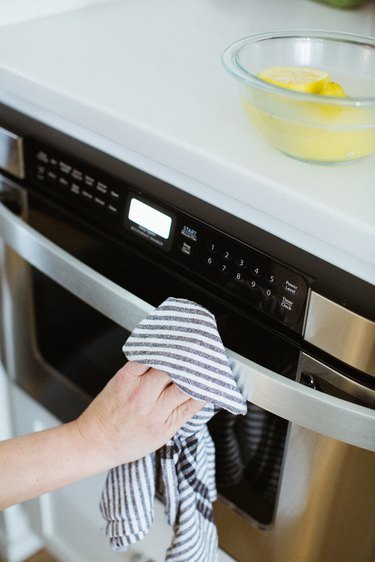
[333, 89]
[299, 78]
[332, 112]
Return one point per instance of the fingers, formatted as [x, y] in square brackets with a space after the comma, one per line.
[182, 413]
[188, 409]
[173, 396]
[155, 377]
[157, 386]
[153, 380]
[150, 382]
[133, 369]
[149, 375]
[153, 384]
[180, 404]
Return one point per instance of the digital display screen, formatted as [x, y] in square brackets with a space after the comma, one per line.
[149, 218]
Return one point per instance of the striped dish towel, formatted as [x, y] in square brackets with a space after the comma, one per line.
[249, 447]
[181, 338]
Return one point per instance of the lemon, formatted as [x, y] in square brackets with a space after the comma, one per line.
[332, 89]
[299, 78]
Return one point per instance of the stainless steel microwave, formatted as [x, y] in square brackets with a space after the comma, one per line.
[91, 245]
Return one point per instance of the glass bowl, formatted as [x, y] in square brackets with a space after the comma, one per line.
[309, 127]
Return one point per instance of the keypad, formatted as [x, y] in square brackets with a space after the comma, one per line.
[247, 274]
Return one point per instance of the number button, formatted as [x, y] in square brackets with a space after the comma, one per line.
[210, 261]
[238, 276]
[256, 271]
[227, 255]
[223, 268]
[212, 247]
[271, 279]
[241, 262]
[268, 293]
[253, 285]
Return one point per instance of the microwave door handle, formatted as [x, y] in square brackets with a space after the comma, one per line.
[288, 399]
[314, 373]
[328, 415]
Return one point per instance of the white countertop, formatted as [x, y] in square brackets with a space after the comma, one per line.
[143, 81]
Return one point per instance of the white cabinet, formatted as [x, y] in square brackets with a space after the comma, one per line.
[17, 540]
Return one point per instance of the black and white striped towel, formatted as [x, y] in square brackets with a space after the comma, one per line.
[181, 338]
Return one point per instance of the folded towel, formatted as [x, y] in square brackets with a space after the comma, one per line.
[181, 338]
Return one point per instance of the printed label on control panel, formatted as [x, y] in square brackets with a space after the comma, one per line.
[186, 248]
[146, 234]
[290, 287]
[287, 303]
[189, 232]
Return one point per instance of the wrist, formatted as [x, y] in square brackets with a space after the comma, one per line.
[94, 454]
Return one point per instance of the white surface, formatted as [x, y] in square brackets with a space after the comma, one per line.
[143, 81]
[14, 11]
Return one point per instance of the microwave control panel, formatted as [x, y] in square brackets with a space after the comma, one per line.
[247, 274]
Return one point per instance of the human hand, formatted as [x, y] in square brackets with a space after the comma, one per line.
[136, 413]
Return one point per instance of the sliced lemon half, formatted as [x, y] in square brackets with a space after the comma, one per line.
[299, 78]
[333, 89]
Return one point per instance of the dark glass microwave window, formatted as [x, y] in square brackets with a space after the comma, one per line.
[72, 337]
[249, 453]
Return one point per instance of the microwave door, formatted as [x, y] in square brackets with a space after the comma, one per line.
[321, 413]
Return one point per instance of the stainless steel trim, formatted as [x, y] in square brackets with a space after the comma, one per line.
[11, 153]
[341, 333]
[304, 406]
[313, 367]
[324, 414]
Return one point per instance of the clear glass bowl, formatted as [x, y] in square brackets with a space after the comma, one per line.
[309, 127]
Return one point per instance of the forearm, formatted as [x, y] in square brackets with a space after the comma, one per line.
[44, 461]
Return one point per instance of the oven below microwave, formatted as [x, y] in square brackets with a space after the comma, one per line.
[91, 245]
